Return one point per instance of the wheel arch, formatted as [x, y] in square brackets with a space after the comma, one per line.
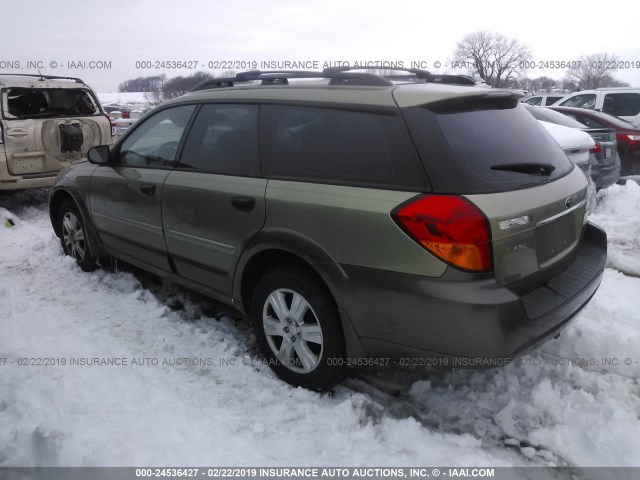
[57, 198]
[278, 247]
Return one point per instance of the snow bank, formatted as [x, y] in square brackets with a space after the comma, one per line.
[138, 415]
[123, 98]
[618, 212]
[576, 401]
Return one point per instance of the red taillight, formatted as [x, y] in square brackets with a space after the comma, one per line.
[596, 149]
[112, 122]
[450, 227]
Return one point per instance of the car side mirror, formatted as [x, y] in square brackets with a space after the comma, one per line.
[99, 155]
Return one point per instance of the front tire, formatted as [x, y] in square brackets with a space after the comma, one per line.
[298, 329]
[74, 236]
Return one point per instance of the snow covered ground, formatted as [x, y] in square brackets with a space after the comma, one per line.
[177, 398]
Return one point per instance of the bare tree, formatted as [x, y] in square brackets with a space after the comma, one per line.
[594, 71]
[154, 98]
[547, 84]
[173, 87]
[142, 84]
[492, 56]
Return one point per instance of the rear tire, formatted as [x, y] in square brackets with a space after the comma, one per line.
[74, 236]
[298, 329]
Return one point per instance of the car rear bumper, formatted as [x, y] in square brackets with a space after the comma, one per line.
[467, 323]
[631, 162]
[17, 182]
[605, 176]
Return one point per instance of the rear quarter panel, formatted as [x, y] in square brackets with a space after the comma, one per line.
[353, 224]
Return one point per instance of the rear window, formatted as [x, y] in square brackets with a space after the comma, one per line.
[49, 102]
[610, 120]
[551, 116]
[586, 121]
[459, 147]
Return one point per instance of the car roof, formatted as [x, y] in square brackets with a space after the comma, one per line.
[616, 89]
[40, 81]
[340, 86]
[406, 94]
[621, 123]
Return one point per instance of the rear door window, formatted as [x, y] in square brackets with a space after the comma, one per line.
[49, 103]
[339, 146]
[534, 101]
[621, 104]
[223, 140]
[552, 100]
[460, 142]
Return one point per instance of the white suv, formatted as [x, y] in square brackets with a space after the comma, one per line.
[623, 102]
[46, 123]
[543, 99]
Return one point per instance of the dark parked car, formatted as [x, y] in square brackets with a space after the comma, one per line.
[356, 220]
[604, 161]
[627, 135]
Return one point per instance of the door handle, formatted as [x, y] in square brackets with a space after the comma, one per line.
[148, 188]
[244, 204]
[16, 132]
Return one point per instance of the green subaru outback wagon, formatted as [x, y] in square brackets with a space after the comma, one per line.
[352, 217]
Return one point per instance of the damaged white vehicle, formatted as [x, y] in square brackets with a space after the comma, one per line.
[46, 124]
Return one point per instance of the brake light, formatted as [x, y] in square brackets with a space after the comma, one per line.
[450, 227]
[634, 138]
[596, 149]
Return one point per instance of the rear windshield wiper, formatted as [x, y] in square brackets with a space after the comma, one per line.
[528, 168]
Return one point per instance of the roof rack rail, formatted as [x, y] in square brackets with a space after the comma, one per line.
[270, 77]
[42, 78]
[336, 76]
[454, 79]
[281, 77]
[417, 72]
[355, 78]
[214, 83]
[274, 77]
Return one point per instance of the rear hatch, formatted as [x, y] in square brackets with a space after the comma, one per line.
[46, 129]
[492, 151]
[605, 149]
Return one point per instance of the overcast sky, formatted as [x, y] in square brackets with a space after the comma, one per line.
[118, 33]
